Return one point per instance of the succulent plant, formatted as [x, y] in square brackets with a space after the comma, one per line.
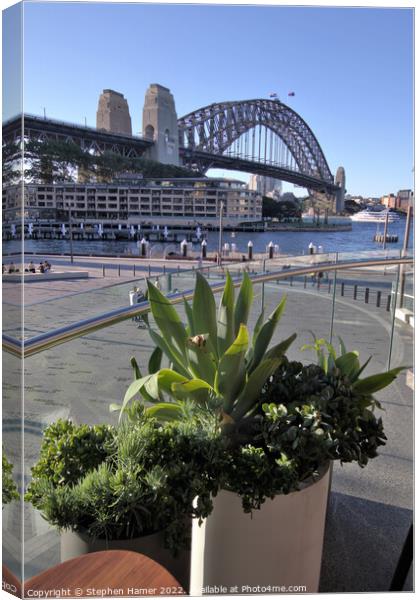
[215, 361]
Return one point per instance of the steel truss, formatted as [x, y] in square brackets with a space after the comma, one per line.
[88, 138]
[215, 130]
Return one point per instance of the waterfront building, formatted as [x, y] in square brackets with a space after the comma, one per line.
[404, 199]
[390, 201]
[181, 201]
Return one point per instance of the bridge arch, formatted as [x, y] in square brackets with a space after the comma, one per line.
[213, 129]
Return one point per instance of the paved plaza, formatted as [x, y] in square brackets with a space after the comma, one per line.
[370, 509]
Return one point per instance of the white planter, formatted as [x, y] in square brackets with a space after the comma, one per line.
[74, 544]
[280, 545]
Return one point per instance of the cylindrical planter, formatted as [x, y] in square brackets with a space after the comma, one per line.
[74, 544]
[279, 546]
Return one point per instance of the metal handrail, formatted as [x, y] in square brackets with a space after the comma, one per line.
[55, 337]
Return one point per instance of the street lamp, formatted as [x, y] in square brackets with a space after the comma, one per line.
[219, 258]
[71, 234]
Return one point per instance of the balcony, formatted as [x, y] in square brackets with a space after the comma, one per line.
[76, 368]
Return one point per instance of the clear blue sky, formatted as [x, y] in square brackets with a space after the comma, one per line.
[351, 70]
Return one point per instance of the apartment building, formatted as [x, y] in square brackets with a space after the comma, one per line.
[132, 202]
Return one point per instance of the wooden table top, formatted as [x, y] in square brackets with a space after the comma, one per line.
[10, 583]
[111, 573]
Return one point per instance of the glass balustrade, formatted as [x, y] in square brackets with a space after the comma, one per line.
[79, 379]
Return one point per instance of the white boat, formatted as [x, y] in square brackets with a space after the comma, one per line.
[375, 216]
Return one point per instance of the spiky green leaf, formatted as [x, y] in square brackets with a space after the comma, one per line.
[166, 411]
[155, 360]
[279, 350]
[190, 318]
[348, 364]
[225, 318]
[377, 382]
[204, 310]
[250, 395]
[231, 373]
[168, 321]
[243, 303]
[174, 357]
[265, 334]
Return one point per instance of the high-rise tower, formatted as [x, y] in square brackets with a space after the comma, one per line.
[113, 114]
[160, 123]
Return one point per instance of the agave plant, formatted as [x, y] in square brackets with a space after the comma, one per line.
[215, 362]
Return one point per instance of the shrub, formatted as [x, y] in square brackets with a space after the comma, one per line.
[69, 452]
[146, 482]
[9, 488]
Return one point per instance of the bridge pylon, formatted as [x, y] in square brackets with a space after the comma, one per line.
[160, 124]
[340, 181]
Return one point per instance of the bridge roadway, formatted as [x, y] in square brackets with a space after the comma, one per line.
[234, 163]
[86, 137]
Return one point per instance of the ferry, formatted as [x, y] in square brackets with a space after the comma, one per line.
[375, 216]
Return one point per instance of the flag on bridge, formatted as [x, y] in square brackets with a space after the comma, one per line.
[274, 95]
[291, 94]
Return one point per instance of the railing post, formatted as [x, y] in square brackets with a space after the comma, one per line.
[388, 303]
[329, 286]
[394, 308]
[119, 270]
[342, 288]
[304, 282]
[333, 300]
[355, 292]
[367, 295]
[378, 299]
[134, 269]
[103, 270]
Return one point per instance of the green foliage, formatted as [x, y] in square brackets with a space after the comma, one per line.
[255, 476]
[349, 366]
[55, 161]
[313, 416]
[11, 162]
[9, 488]
[68, 453]
[146, 482]
[285, 208]
[215, 363]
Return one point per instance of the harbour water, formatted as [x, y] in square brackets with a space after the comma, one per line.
[359, 239]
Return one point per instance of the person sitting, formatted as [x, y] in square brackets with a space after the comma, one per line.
[12, 268]
[47, 266]
[41, 267]
[31, 267]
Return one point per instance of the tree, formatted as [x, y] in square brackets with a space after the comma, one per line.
[11, 162]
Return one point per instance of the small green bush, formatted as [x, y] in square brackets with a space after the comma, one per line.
[68, 453]
[147, 480]
[9, 488]
[315, 415]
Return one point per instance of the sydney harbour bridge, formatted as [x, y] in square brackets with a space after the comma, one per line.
[261, 136]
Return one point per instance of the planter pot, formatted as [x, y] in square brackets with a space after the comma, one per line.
[279, 545]
[74, 544]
